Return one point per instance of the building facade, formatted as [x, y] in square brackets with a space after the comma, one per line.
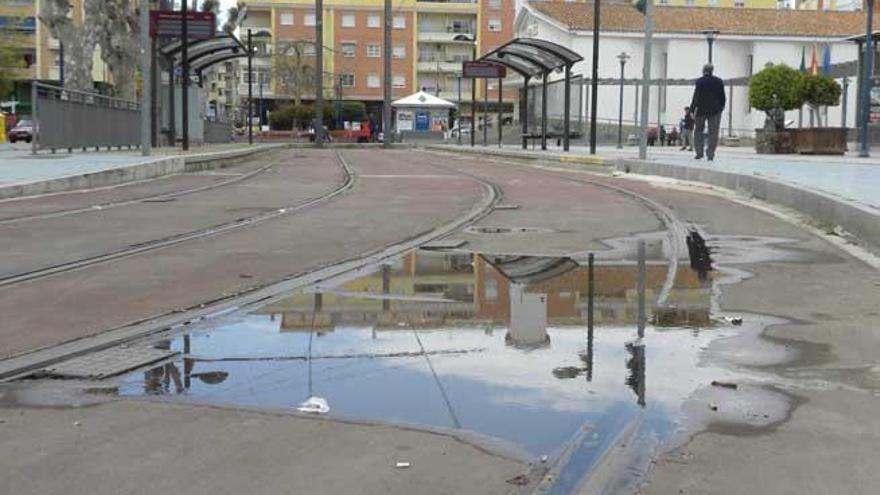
[40, 52]
[747, 41]
[430, 40]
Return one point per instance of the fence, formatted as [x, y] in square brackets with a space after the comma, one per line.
[67, 119]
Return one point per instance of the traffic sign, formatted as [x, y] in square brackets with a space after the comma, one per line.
[483, 70]
[169, 23]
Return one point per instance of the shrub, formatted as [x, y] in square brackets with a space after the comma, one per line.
[282, 119]
[779, 80]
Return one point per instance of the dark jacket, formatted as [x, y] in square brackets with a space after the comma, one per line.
[709, 97]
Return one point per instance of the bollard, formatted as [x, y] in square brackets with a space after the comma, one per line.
[319, 302]
[640, 288]
[591, 291]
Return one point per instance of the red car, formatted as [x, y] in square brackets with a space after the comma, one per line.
[23, 131]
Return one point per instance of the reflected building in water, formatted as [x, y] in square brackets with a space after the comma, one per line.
[430, 289]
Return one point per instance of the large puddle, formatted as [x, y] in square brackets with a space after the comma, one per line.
[496, 345]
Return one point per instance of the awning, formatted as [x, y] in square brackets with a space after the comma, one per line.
[422, 100]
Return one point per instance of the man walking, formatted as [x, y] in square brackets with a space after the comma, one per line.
[708, 102]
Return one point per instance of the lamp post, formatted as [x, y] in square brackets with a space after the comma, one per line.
[867, 80]
[711, 36]
[622, 57]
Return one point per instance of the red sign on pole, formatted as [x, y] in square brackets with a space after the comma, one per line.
[483, 70]
[169, 23]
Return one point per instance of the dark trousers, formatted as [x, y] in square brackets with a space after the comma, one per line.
[714, 122]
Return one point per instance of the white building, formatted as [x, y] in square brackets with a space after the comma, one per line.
[748, 39]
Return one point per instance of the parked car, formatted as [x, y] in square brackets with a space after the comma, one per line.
[23, 131]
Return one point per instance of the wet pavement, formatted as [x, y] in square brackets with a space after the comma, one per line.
[499, 346]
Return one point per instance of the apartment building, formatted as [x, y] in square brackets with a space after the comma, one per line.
[40, 52]
[430, 40]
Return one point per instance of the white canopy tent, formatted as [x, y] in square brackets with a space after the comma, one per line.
[422, 112]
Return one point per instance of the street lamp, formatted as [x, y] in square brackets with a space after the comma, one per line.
[622, 57]
[711, 34]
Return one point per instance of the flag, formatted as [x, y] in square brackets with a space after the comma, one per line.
[803, 60]
[826, 61]
[814, 63]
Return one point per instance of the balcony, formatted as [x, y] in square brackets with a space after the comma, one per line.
[449, 66]
[462, 38]
[452, 6]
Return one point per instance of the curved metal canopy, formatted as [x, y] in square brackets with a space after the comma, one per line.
[198, 49]
[532, 57]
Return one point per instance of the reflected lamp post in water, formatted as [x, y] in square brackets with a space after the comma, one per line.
[711, 35]
[622, 57]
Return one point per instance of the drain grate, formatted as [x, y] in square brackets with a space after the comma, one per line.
[109, 362]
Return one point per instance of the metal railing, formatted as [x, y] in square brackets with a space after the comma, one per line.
[68, 119]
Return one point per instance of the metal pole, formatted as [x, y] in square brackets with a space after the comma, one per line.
[594, 95]
[386, 287]
[172, 119]
[184, 6]
[500, 109]
[146, 79]
[566, 125]
[844, 105]
[386, 72]
[459, 111]
[61, 55]
[35, 117]
[646, 79]
[485, 112]
[525, 112]
[319, 75]
[260, 102]
[640, 288]
[154, 94]
[730, 113]
[473, 111]
[544, 112]
[867, 74]
[250, 69]
[620, 107]
[591, 292]
[711, 42]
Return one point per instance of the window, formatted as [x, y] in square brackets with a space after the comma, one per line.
[739, 4]
[398, 51]
[399, 22]
[373, 81]
[309, 49]
[398, 82]
[348, 20]
[495, 4]
[348, 49]
[373, 50]
[346, 80]
[691, 3]
[287, 18]
[374, 21]
[495, 24]
[309, 19]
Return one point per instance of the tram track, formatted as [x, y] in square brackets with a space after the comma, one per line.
[164, 242]
[152, 198]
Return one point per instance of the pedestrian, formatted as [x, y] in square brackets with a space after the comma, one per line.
[687, 130]
[708, 102]
[662, 135]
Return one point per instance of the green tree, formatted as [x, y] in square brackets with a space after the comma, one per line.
[818, 91]
[776, 82]
[291, 74]
[352, 111]
[11, 59]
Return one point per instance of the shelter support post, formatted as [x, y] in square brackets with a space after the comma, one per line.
[500, 109]
[566, 125]
[473, 112]
[544, 111]
[525, 112]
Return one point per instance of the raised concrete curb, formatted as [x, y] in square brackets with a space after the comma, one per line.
[860, 221]
[149, 169]
[828, 210]
[544, 156]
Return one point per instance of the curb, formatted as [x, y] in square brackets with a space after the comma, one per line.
[857, 220]
[828, 210]
[149, 169]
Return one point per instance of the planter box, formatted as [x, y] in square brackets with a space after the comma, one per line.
[774, 142]
[820, 140]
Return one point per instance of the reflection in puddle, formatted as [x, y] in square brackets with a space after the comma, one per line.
[496, 345]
